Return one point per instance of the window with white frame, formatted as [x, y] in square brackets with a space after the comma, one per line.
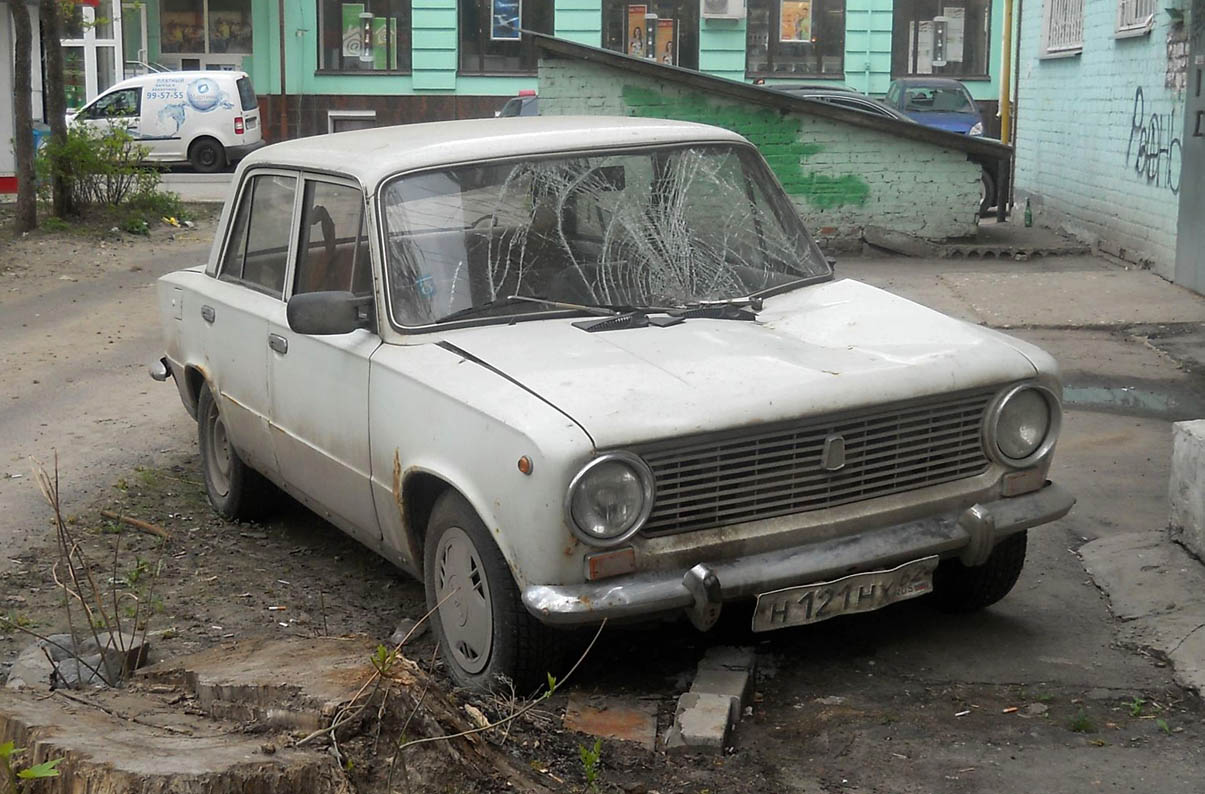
[1063, 27]
[1135, 17]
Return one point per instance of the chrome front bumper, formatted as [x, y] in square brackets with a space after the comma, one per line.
[970, 535]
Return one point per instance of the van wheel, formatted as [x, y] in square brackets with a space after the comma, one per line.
[207, 155]
[235, 490]
[484, 631]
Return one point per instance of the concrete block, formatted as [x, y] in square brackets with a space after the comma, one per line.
[1186, 489]
[728, 657]
[729, 683]
[703, 721]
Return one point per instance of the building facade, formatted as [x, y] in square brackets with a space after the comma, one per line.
[1105, 91]
[367, 62]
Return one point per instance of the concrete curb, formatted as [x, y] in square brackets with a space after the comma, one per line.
[1156, 590]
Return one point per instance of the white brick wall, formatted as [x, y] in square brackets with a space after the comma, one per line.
[1075, 122]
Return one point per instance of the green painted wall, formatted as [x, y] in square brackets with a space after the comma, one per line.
[722, 47]
[842, 178]
[580, 21]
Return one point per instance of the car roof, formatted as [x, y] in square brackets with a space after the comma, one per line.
[931, 82]
[130, 82]
[818, 87]
[371, 155]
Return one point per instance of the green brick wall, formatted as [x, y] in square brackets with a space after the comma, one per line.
[841, 178]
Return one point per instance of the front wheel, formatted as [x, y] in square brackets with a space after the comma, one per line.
[968, 588]
[207, 156]
[484, 632]
[235, 490]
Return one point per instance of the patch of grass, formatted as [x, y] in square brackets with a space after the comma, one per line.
[13, 621]
[148, 477]
[1082, 723]
[1163, 726]
[52, 224]
[590, 758]
[1134, 706]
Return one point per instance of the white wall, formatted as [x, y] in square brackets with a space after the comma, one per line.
[7, 160]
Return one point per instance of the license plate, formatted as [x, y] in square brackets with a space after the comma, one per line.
[252, 123]
[860, 592]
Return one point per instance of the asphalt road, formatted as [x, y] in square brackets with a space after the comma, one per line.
[904, 700]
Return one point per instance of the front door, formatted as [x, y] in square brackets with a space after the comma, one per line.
[133, 38]
[1190, 233]
[319, 384]
[93, 56]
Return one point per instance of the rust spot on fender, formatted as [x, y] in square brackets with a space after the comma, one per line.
[568, 551]
[397, 485]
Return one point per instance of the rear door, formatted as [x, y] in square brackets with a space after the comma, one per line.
[319, 384]
[249, 289]
[249, 104]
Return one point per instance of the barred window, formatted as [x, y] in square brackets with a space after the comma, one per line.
[1135, 17]
[1063, 26]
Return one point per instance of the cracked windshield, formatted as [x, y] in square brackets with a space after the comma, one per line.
[656, 228]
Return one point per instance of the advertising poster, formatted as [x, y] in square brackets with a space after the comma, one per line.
[795, 21]
[635, 32]
[353, 40]
[380, 42]
[956, 20]
[504, 23]
[667, 42]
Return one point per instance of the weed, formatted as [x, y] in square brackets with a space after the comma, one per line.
[14, 621]
[1082, 723]
[1134, 706]
[53, 224]
[1163, 726]
[18, 780]
[590, 764]
[138, 573]
[135, 224]
[148, 477]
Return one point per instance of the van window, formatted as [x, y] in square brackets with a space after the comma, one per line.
[119, 104]
[247, 94]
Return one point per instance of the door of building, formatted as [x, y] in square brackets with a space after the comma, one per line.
[92, 57]
[1190, 232]
[133, 38]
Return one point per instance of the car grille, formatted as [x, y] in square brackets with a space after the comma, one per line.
[768, 471]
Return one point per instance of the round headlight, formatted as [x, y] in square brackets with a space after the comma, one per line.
[610, 498]
[1026, 423]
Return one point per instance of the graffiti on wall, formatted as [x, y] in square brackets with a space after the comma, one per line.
[1154, 147]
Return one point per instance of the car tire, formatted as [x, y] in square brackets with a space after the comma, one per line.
[207, 155]
[968, 588]
[988, 199]
[485, 633]
[235, 490]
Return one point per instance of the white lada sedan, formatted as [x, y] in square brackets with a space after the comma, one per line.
[567, 369]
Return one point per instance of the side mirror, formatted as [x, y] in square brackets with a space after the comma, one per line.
[329, 312]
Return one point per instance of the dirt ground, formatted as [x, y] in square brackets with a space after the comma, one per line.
[1024, 698]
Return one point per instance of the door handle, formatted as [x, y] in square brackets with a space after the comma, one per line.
[278, 343]
[207, 314]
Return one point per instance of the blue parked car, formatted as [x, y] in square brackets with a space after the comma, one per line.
[936, 102]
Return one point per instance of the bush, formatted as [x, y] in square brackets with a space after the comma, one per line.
[100, 167]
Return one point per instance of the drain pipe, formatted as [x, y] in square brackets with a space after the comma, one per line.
[1006, 73]
[284, 101]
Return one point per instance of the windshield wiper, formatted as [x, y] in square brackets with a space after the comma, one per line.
[507, 300]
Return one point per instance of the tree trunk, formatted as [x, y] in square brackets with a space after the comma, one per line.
[56, 99]
[27, 208]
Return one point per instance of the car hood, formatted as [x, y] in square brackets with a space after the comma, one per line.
[950, 122]
[814, 350]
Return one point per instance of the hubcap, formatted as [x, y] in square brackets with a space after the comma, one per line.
[466, 615]
[217, 454]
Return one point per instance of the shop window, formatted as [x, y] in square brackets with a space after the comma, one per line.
[490, 39]
[940, 37]
[368, 36]
[205, 26]
[663, 30]
[796, 38]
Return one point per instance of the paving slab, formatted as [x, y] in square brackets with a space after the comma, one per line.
[1156, 590]
[626, 719]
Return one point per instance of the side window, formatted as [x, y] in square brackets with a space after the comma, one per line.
[258, 248]
[119, 104]
[332, 251]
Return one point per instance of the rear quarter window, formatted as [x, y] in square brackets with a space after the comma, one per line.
[246, 94]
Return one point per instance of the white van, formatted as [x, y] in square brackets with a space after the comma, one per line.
[207, 119]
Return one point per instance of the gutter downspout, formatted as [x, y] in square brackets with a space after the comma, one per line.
[284, 104]
[1006, 73]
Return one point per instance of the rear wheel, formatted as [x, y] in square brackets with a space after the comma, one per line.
[987, 198]
[207, 155]
[967, 588]
[235, 490]
[484, 631]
